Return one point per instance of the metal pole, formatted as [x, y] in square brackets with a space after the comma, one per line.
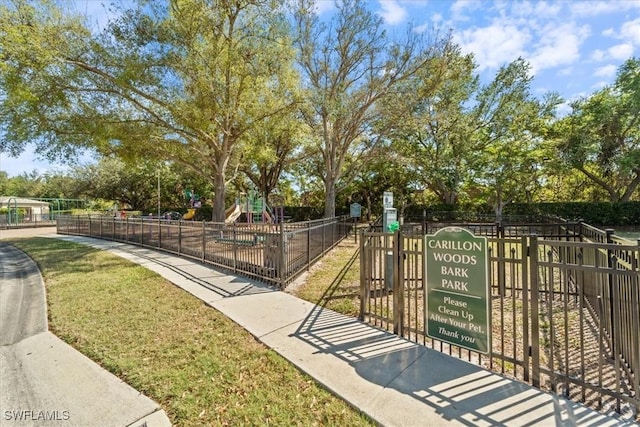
[15, 209]
[158, 194]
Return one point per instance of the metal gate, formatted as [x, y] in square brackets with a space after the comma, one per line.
[565, 311]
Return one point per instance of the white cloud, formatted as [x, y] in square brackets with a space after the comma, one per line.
[536, 9]
[495, 45]
[609, 32]
[631, 31]
[392, 12]
[565, 71]
[558, 45]
[605, 71]
[322, 6]
[600, 84]
[460, 8]
[547, 10]
[598, 55]
[620, 51]
[594, 8]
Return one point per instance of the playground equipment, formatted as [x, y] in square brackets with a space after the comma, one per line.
[194, 203]
[255, 209]
[233, 213]
[189, 215]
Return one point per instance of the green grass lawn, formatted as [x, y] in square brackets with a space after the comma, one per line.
[334, 282]
[201, 367]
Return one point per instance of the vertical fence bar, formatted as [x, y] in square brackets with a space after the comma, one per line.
[526, 345]
[308, 245]
[363, 284]
[616, 319]
[282, 261]
[203, 242]
[535, 312]
[580, 282]
[398, 282]
[179, 237]
[635, 309]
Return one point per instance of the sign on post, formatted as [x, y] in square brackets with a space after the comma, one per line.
[387, 199]
[457, 289]
[355, 209]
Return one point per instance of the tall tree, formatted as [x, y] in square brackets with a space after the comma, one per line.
[271, 150]
[457, 133]
[509, 135]
[601, 136]
[433, 123]
[349, 65]
[183, 80]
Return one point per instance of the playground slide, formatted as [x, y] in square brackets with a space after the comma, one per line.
[232, 213]
[189, 215]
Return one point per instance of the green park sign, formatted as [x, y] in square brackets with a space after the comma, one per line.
[457, 292]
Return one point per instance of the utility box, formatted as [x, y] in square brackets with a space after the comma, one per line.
[389, 217]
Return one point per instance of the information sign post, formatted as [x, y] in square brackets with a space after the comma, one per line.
[355, 210]
[457, 291]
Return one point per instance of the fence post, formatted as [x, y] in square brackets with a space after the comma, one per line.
[308, 245]
[524, 256]
[398, 285]
[179, 237]
[609, 232]
[363, 283]
[204, 242]
[535, 310]
[282, 257]
[501, 259]
[235, 246]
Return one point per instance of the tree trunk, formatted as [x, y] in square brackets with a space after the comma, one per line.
[330, 199]
[218, 200]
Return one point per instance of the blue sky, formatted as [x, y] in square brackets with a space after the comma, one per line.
[573, 46]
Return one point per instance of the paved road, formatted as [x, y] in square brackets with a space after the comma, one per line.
[21, 297]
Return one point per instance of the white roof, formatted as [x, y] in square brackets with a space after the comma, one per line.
[9, 201]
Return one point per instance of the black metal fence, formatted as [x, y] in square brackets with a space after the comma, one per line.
[24, 220]
[565, 311]
[271, 253]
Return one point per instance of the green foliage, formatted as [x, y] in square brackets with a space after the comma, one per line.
[183, 81]
[601, 136]
[594, 213]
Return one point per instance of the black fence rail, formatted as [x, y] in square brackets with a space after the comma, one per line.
[565, 311]
[271, 253]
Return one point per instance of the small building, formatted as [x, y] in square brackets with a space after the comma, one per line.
[18, 209]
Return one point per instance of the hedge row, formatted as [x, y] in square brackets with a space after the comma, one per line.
[594, 213]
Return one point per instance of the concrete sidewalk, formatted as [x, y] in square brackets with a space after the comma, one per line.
[394, 381]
